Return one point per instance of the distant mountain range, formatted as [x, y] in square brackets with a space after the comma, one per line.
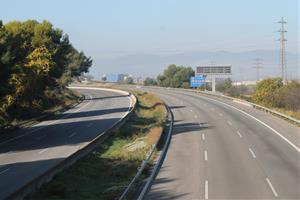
[150, 65]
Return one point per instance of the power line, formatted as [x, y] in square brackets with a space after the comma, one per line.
[258, 65]
[282, 40]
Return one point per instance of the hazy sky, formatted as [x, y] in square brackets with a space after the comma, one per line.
[108, 29]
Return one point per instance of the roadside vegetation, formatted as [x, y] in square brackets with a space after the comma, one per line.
[175, 76]
[270, 92]
[109, 168]
[37, 61]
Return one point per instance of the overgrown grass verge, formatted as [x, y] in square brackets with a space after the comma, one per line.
[109, 168]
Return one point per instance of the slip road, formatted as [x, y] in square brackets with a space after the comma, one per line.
[28, 153]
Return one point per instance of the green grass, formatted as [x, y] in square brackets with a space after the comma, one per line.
[108, 169]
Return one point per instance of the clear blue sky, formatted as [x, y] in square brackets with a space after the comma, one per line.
[108, 29]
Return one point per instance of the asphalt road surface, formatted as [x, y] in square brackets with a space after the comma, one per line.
[27, 153]
[225, 150]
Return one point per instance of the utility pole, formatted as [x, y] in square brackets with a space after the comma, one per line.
[258, 65]
[282, 40]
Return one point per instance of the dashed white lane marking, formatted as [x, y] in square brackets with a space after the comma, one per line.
[205, 155]
[263, 123]
[90, 124]
[206, 190]
[43, 151]
[220, 114]
[203, 136]
[272, 187]
[252, 153]
[2, 172]
[229, 122]
[72, 134]
[240, 135]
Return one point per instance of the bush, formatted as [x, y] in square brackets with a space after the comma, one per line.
[265, 91]
[272, 93]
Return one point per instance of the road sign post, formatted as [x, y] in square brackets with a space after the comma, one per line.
[213, 71]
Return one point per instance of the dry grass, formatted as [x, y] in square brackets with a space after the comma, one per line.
[153, 135]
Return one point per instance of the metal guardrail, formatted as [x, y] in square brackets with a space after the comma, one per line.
[38, 181]
[269, 110]
[155, 170]
[292, 119]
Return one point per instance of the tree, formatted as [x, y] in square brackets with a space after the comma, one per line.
[175, 76]
[265, 90]
[128, 80]
[150, 81]
[35, 60]
[182, 77]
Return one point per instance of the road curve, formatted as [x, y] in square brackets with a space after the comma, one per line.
[28, 153]
[224, 150]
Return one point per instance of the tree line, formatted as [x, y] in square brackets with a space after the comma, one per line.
[174, 76]
[37, 61]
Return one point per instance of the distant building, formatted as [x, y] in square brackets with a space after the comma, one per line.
[244, 83]
[138, 80]
[114, 78]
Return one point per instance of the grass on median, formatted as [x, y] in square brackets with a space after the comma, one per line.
[105, 172]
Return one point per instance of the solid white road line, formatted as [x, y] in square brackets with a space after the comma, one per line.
[205, 155]
[2, 172]
[272, 188]
[203, 136]
[239, 134]
[206, 190]
[252, 153]
[229, 122]
[263, 123]
[90, 124]
[72, 134]
[43, 151]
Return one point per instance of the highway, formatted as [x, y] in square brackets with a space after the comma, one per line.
[28, 153]
[226, 150]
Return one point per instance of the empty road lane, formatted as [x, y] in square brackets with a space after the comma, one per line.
[224, 150]
[28, 153]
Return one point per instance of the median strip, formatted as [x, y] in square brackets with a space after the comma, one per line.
[107, 170]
